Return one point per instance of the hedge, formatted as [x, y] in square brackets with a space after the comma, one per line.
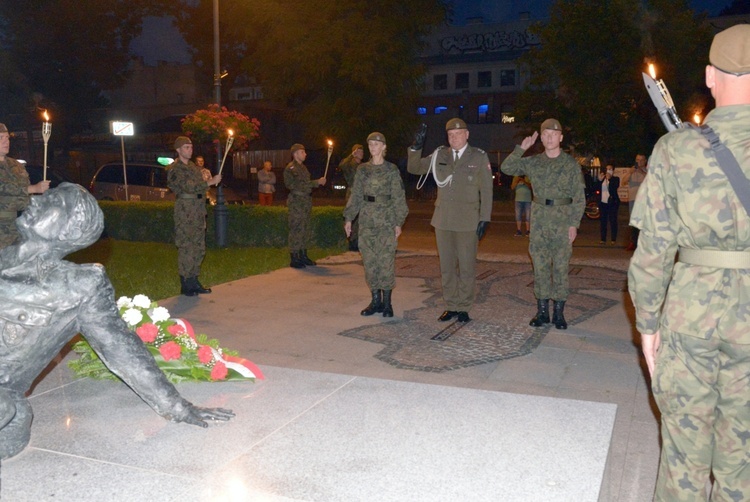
[251, 225]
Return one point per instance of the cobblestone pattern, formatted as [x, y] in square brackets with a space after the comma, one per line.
[499, 328]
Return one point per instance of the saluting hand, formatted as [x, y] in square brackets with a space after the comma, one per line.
[529, 141]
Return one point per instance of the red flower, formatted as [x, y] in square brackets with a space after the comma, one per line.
[219, 371]
[176, 329]
[205, 354]
[147, 332]
[170, 350]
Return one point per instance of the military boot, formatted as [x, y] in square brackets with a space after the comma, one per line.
[198, 287]
[387, 307]
[304, 259]
[557, 314]
[376, 305]
[296, 261]
[542, 313]
[186, 288]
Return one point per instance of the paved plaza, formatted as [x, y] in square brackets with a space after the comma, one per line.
[367, 408]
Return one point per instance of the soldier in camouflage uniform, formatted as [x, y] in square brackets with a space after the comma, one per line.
[185, 179]
[462, 211]
[299, 204]
[379, 200]
[14, 190]
[693, 314]
[348, 168]
[556, 212]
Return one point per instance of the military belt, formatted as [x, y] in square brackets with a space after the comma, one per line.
[377, 198]
[8, 215]
[554, 202]
[715, 258]
[189, 195]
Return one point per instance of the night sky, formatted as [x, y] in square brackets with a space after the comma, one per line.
[162, 41]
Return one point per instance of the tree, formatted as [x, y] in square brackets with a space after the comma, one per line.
[587, 72]
[343, 69]
[60, 54]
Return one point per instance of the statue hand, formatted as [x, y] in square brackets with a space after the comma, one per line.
[195, 415]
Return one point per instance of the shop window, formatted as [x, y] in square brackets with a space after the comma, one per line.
[462, 80]
[440, 82]
[484, 79]
[507, 78]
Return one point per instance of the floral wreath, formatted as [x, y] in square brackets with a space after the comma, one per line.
[178, 351]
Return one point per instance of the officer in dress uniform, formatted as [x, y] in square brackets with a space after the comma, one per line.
[462, 211]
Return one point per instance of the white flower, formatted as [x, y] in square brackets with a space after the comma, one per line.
[124, 301]
[132, 316]
[141, 301]
[158, 314]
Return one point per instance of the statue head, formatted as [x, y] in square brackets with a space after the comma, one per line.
[66, 218]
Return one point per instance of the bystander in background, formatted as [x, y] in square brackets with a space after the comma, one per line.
[266, 184]
[521, 185]
[609, 204]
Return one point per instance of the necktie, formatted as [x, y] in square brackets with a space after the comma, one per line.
[455, 155]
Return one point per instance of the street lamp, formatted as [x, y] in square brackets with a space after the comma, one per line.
[220, 211]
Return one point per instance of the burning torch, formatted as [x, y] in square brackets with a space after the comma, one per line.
[330, 151]
[662, 100]
[46, 132]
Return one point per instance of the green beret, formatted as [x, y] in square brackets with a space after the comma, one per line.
[455, 124]
[730, 50]
[553, 124]
[376, 136]
[182, 141]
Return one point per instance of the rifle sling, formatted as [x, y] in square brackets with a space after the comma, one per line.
[729, 165]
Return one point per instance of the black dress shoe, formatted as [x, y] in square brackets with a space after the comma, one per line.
[447, 315]
[463, 317]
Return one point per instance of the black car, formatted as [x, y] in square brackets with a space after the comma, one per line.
[55, 176]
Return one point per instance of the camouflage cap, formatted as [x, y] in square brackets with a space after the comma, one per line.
[455, 124]
[357, 147]
[181, 141]
[3, 128]
[730, 50]
[295, 147]
[553, 124]
[376, 136]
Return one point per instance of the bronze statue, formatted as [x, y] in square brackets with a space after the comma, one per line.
[45, 301]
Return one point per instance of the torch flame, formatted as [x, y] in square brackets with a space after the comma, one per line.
[46, 116]
[330, 143]
[652, 70]
[230, 132]
[697, 118]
